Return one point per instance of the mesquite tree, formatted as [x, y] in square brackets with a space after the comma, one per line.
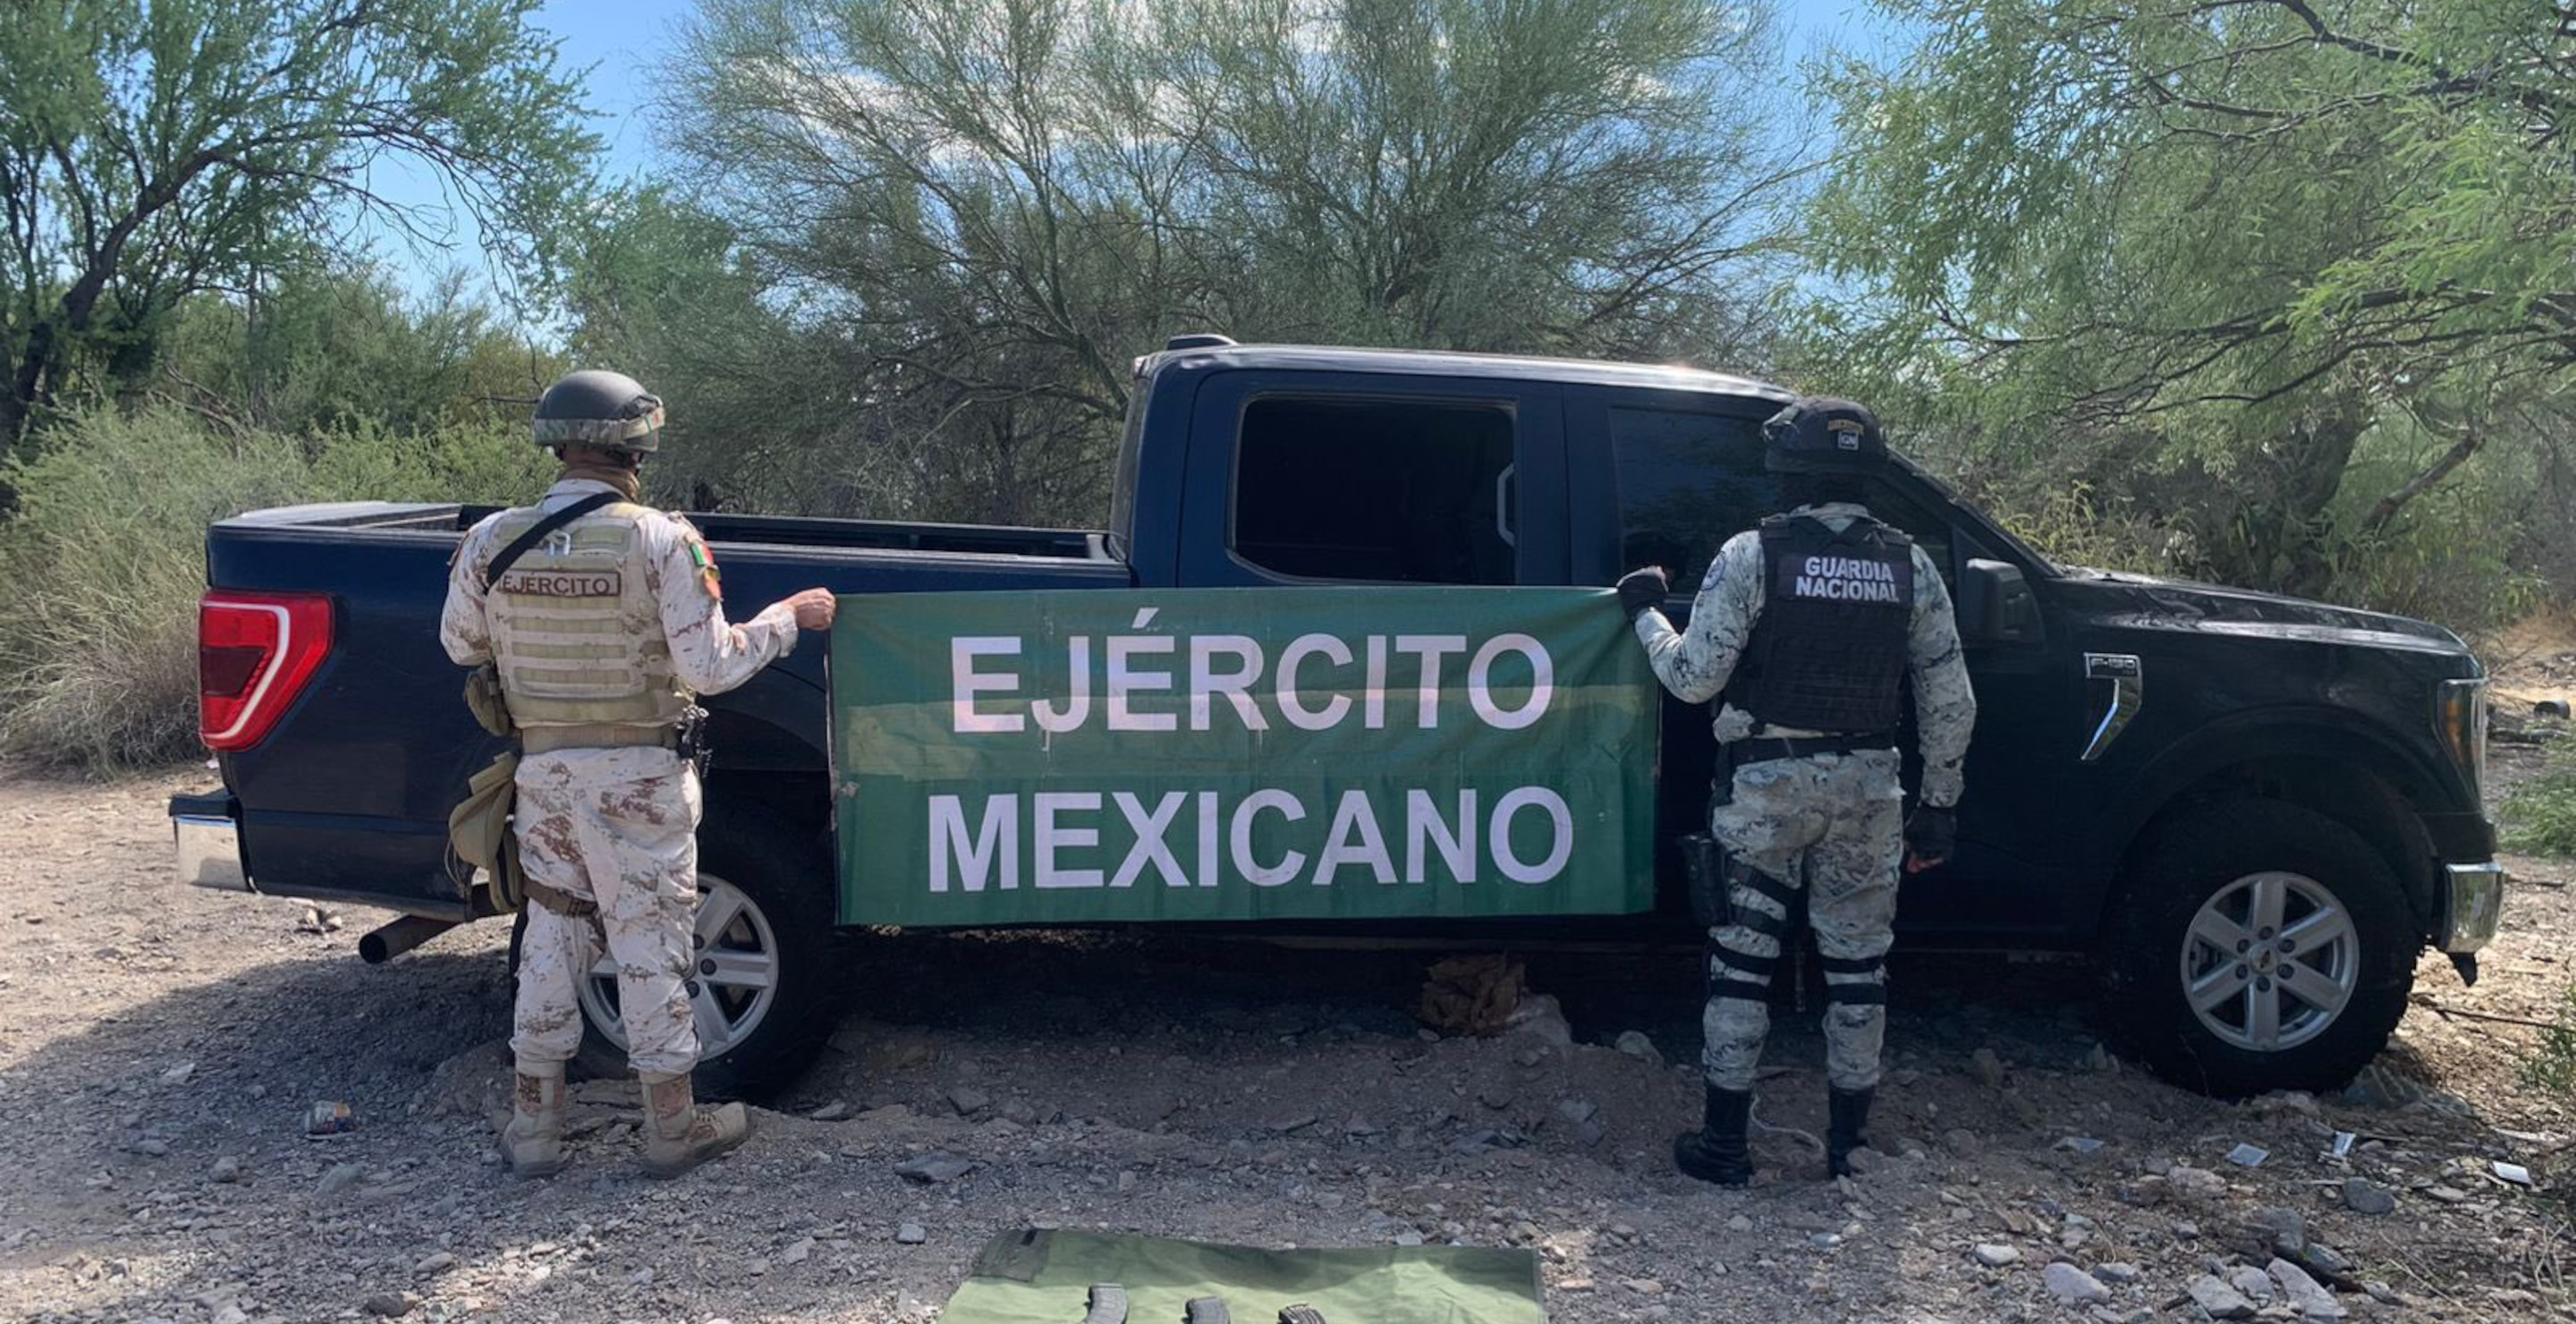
[151, 149]
[2246, 243]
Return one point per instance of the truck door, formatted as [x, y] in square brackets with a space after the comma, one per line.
[1304, 477]
[2011, 880]
[1665, 478]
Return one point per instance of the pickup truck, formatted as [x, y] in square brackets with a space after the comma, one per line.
[2254, 812]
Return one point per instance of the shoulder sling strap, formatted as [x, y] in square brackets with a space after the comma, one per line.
[536, 532]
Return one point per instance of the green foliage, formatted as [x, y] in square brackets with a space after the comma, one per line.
[334, 349]
[2552, 1067]
[935, 233]
[758, 388]
[2540, 817]
[2077, 526]
[101, 566]
[154, 149]
[2273, 272]
[332, 385]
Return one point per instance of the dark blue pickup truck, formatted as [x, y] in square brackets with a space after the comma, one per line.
[2255, 811]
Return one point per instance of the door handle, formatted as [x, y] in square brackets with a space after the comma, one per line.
[1503, 505]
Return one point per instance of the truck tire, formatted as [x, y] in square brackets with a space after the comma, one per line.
[2258, 946]
[764, 888]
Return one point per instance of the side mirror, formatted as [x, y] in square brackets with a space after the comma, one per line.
[1996, 606]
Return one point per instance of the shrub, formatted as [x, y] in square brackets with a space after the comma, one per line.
[2540, 818]
[2552, 1066]
[101, 566]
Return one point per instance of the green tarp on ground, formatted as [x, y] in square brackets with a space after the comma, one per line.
[1042, 1276]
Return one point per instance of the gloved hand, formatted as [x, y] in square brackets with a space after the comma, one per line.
[1930, 835]
[1640, 589]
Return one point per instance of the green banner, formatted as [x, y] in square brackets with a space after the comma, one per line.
[1079, 756]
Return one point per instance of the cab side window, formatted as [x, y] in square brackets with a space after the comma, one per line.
[1687, 483]
[1388, 490]
[1930, 530]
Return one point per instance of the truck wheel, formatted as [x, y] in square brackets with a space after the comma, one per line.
[764, 985]
[2259, 946]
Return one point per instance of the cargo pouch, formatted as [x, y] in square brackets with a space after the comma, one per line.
[478, 828]
[484, 699]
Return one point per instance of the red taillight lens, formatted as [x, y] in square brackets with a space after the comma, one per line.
[255, 651]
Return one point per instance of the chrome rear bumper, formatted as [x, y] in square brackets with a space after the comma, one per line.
[209, 848]
[2472, 905]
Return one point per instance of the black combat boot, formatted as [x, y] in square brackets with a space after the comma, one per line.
[1716, 1152]
[1847, 1113]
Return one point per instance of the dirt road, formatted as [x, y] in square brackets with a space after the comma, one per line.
[159, 1047]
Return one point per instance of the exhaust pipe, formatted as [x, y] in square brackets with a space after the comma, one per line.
[399, 937]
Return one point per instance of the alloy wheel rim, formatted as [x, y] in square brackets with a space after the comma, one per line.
[2270, 961]
[733, 976]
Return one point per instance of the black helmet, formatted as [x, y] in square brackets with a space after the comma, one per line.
[1822, 435]
[609, 410]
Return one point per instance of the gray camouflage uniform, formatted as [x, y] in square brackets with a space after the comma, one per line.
[1840, 815]
[617, 827]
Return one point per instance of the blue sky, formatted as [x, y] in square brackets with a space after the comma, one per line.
[622, 43]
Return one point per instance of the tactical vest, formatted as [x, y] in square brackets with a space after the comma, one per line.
[575, 630]
[1829, 651]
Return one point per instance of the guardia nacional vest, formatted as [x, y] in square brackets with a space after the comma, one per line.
[575, 629]
[1829, 651]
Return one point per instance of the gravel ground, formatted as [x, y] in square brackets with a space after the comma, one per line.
[159, 1047]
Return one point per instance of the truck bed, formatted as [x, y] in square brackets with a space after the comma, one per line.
[348, 798]
[762, 530]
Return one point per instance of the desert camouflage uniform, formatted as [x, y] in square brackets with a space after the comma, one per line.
[618, 827]
[1835, 821]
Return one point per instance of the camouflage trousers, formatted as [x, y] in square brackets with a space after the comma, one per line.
[1833, 824]
[617, 828]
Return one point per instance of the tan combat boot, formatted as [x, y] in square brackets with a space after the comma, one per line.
[533, 1138]
[678, 1134]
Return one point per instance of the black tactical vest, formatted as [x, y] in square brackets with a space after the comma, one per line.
[1828, 652]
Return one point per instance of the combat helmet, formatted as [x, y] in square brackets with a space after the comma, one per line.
[596, 408]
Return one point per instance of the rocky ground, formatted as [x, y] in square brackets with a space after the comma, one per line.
[160, 1046]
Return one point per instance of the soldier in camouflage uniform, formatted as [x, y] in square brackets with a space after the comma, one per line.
[1807, 629]
[603, 632]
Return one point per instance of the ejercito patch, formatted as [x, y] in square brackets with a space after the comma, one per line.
[562, 583]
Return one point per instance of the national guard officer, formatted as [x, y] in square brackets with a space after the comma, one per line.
[1807, 629]
[604, 626]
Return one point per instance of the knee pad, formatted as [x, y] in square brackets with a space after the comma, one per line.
[1868, 991]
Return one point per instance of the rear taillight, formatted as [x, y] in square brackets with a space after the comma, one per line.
[255, 651]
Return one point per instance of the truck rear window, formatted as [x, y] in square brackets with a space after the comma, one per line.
[1687, 483]
[1376, 490]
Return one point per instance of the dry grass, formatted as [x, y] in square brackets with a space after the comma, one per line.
[101, 567]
